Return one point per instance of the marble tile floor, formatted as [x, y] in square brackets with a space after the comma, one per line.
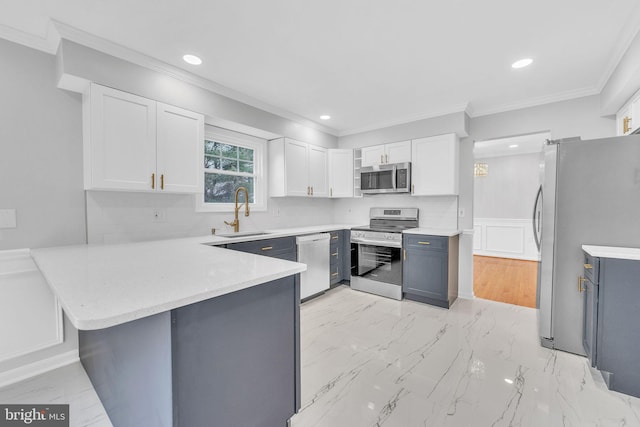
[371, 361]
[66, 385]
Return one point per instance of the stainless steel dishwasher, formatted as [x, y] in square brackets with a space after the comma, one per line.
[313, 250]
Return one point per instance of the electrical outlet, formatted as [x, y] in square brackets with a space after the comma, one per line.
[159, 215]
[461, 212]
[276, 212]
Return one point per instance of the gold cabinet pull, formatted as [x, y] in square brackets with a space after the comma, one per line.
[334, 254]
[267, 248]
[162, 182]
[381, 158]
[312, 190]
[153, 181]
[331, 192]
[386, 158]
[334, 274]
[625, 124]
[588, 266]
[580, 281]
[404, 254]
[334, 237]
[424, 243]
[308, 191]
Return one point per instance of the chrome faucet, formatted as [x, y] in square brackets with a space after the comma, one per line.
[236, 222]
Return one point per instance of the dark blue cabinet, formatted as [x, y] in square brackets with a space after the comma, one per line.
[611, 335]
[430, 269]
[340, 256]
[282, 248]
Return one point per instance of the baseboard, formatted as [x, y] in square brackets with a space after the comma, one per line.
[465, 295]
[39, 367]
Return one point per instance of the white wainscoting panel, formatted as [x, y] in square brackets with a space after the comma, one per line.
[505, 238]
[29, 312]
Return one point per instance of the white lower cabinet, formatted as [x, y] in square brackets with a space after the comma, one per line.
[435, 165]
[133, 143]
[297, 169]
[341, 173]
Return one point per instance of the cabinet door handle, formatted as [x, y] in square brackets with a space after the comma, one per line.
[308, 191]
[588, 266]
[404, 254]
[162, 182]
[580, 281]
[331, 192]
[334, 274]
[625, 124]
[413, 188]
[334, 237]
[424, 243]
[266, 248]
[153, 181]
[312, 190]
[334, 254]
[386, 158]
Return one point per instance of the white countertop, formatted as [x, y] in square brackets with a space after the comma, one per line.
[273, 233]
[433, 232]
[612, 252]
[105, 285]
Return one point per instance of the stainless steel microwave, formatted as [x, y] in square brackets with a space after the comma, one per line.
[391, 178]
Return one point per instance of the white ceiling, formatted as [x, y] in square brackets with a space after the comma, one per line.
[367, 63]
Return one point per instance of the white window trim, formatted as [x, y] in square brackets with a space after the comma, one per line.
[259, 147]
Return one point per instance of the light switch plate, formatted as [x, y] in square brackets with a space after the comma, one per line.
[7, 218]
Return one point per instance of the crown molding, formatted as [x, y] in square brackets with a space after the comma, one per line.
[460, 108]
[47, 44]
[537, 101]
[73, 34]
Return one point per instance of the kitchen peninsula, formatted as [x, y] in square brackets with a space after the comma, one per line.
[177, 332]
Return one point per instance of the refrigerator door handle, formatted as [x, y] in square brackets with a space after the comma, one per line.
[536, 218]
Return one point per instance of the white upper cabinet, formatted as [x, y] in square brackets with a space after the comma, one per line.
[628, 117]
[435, 165]
[137, 144]
[318, 170]
[341, 173]
[297, 169]
[372, 155]
[180, 149]
[397, 152]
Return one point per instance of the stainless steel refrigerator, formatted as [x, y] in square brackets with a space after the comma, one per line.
[590, 194]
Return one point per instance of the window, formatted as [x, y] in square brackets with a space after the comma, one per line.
[232, 160]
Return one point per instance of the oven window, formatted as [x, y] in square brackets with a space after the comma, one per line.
[378, 180]
[379, 263]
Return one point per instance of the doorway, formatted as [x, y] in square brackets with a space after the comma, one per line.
[506, 182]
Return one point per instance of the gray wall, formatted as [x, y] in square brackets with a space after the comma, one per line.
[451, 123]
[91, 65]
[508, 191]
[41, 164]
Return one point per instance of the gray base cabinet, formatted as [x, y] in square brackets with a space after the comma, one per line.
[430, 269]
[611, 335]
[232, 360]
[340, 251]
[281, 247]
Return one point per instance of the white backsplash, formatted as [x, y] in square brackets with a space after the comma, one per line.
[116, 217]
[435, 212]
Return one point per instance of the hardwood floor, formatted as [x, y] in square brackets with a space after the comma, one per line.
[506, 280]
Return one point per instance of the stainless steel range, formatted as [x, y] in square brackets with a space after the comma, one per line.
[376, 251]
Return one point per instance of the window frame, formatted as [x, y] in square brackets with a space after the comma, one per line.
[259, 147]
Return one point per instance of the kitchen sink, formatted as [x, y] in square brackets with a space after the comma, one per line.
[243, 234]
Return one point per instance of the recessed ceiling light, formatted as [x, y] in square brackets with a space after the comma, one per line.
[513, 146]
[325, 117]
[522, 63]
[192, 59]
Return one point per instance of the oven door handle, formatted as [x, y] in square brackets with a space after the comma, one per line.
[385, 243]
